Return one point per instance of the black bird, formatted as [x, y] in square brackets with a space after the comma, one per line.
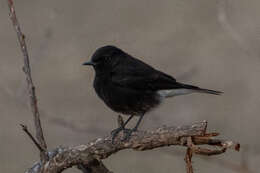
[132, 87]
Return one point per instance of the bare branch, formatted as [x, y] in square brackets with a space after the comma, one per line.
[188, 156]
[25, 129]
[31, 87]
[102, 148]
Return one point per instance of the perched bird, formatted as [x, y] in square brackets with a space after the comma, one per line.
[131, 87]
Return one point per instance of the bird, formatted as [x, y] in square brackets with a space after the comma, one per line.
[131, 87]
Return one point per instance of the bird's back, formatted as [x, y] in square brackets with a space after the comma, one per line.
[136, 74]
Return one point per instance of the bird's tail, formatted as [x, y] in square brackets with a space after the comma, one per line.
[200, 90]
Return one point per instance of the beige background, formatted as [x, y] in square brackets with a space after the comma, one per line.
[213, 44]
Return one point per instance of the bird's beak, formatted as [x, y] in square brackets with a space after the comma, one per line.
[89, 63]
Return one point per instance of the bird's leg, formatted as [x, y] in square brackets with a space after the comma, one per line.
[127, 121]
[115, 132]
[128, 132]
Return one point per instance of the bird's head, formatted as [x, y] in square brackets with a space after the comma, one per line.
[105, 58]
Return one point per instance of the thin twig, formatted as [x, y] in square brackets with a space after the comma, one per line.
[25, 129]
[188, 161]
[188, 156]
[31, 87]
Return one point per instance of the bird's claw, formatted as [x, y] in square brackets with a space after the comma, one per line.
[115, 132]
[127, 133]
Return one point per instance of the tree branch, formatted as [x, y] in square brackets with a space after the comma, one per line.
[188, 156]
[31, 87]
[102, 148]
[25, 129]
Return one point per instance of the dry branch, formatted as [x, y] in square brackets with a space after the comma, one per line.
[25, 129]
[31, 87]
[188, 155]
[102, 148]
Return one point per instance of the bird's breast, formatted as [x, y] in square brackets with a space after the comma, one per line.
[123, 99]
[100, 86]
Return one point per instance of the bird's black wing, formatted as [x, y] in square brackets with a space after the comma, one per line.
[135, 74]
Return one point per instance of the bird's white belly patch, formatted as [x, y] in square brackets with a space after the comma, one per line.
[174, 92]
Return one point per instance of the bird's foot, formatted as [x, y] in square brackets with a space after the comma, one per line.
[115, 132]
[128, 133]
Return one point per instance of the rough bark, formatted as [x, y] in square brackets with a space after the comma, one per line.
[101, 148]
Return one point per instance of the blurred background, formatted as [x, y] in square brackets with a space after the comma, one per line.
[214, 44]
